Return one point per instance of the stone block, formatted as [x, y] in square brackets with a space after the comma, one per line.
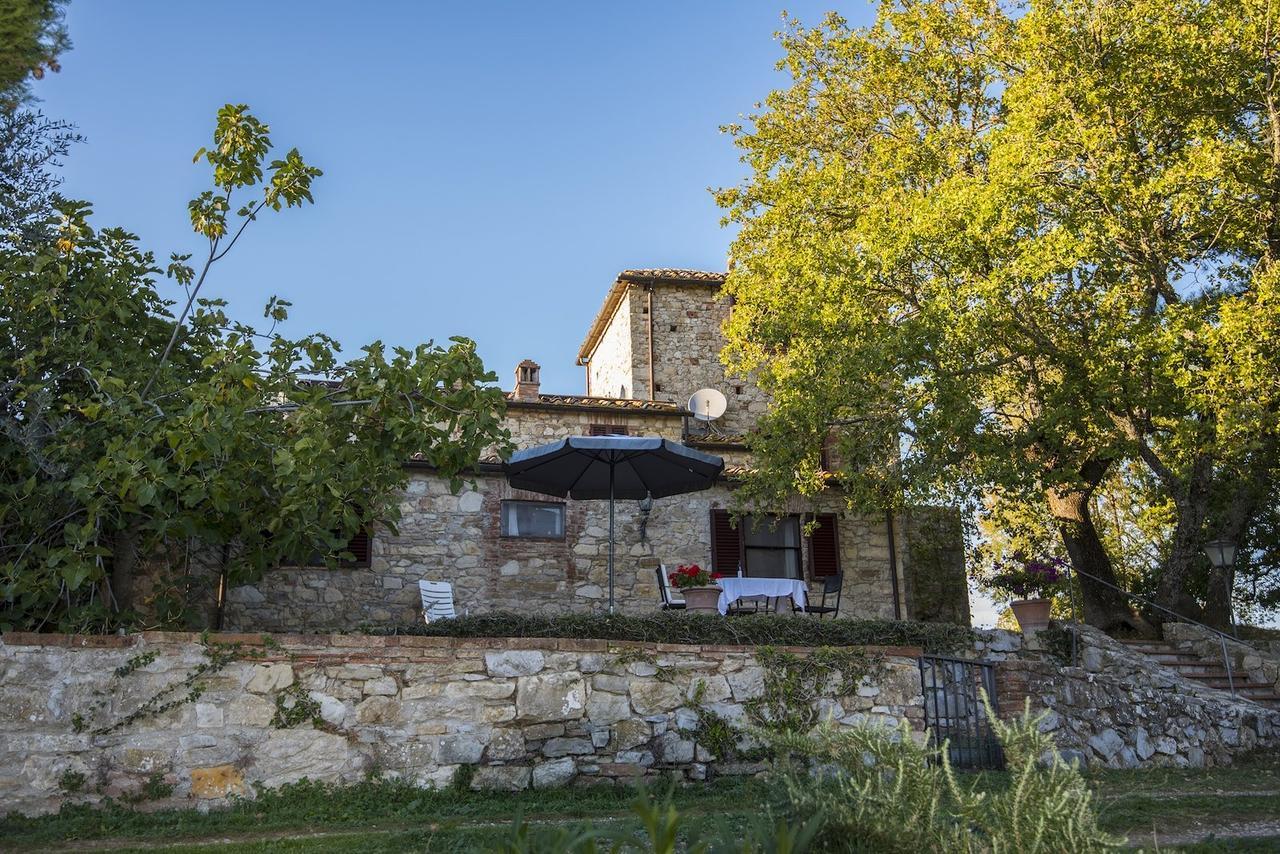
[287, 756]
[514, 663]
[1106, 743]
[558, 772]
[145, 760]
[714, 688]
[502, 777]
[505, 744]
[631, 733]
[672, 749]
[459, 749]
[1142, 745]
[747, 683]
[551, 697]
[568, 746]
[653, 697]
[250, 711]
[605, 708]
[208, 716]
[384, 686]
[537, 732]
[332, 710]
[481, 689]
[378, 710]
[612, 684]
[269, 678]
[218, 781]
[635, 757]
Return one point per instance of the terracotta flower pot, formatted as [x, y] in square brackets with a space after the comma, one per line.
[702, 600]
[1032, 614]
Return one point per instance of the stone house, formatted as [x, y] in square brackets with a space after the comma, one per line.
[655, 341]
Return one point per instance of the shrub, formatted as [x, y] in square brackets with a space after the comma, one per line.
[877, 789]
[669, 627]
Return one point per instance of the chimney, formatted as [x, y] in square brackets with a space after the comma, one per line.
[527, 380]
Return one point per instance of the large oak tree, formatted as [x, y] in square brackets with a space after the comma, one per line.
[1003, 251]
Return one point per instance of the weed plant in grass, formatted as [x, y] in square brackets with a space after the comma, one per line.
[682, 628]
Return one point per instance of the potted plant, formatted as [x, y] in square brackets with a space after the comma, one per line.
[1031, 582]
[695, 584]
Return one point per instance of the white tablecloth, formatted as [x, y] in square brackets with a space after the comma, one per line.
[734, 588]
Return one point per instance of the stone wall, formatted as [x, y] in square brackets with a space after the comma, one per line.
[687, 336]
[457, 538]
[522, 712]
[687, 340]
[1121, 709]
[611, 372]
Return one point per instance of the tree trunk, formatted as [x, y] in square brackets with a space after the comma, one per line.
[124, 564]
[1219, 610]
[1103, 607]
[1191, 500]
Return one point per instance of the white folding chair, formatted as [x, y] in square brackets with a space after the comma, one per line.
[437, 600]
[671, 601]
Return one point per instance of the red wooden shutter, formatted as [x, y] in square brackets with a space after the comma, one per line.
[824, 547]
[726, 544]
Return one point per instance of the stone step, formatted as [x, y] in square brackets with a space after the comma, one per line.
[1182, 661]
[1204, 671]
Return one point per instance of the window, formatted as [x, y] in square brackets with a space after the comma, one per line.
[764, 546]
[360, 546]
[608, 430]
[543, 520]
[771, 546]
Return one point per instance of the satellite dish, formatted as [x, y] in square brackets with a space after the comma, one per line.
[707, 404]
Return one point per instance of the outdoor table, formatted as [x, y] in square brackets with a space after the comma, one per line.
[734, 588]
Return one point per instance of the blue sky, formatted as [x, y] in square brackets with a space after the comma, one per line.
[489, 167]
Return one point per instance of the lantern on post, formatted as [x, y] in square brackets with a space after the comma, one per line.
[1222, 553]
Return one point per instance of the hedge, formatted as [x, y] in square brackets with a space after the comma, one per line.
[684, 628]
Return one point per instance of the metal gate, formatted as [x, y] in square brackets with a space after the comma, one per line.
[953, 710]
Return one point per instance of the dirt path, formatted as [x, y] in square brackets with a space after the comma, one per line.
[1236, 830]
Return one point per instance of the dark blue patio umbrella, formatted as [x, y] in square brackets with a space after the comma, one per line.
[599, 467]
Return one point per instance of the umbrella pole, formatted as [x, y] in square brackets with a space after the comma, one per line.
[611, 469]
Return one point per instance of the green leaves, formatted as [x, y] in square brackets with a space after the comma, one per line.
[982, 249]
[270, 445]
[240, 142]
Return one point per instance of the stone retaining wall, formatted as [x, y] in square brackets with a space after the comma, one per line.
[1121, 709]
[521, 712]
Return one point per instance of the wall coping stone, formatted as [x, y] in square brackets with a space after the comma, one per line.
[402, 646]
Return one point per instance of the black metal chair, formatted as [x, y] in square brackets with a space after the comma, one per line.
[744, 606]
[665, 592]
[831, 584]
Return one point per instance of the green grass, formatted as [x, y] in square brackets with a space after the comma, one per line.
[314, 807]
[378, 816]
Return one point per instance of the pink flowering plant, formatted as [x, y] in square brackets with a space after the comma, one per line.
[692, 575]
[1023, 577]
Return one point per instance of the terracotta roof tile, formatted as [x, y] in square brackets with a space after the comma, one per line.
[670, 274]
[579, 400]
